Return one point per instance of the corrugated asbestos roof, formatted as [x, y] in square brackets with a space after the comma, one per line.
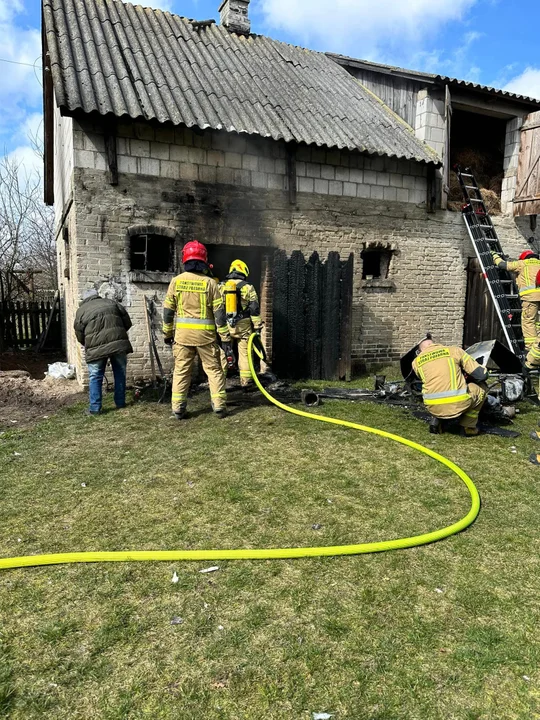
[113, 57]
[430, 77]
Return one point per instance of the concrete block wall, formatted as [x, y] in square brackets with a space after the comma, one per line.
[429, 121]
[425, 288]
[229, 159]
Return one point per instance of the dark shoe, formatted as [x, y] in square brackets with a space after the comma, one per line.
[221, 413]
[534, 459]
[121, 407]
[435, 426]
[470, 432]
[535, 435]
[92, 413]
[179, 415]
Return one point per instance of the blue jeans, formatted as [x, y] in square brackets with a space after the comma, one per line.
[96, 371]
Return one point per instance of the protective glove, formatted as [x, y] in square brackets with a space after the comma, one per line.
[169, 341]
[229, 354]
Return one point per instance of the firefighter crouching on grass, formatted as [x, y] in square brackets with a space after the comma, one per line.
[194, 297]
[243, 313]
[445, 390]
[527, 267]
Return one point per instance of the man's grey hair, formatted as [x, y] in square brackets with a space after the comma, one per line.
[92, 292]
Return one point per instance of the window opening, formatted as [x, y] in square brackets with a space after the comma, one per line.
[375, 263]
[154, 253]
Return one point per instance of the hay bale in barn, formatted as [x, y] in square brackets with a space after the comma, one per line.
[481, 165]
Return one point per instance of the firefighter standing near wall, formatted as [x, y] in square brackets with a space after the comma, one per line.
[526, 268]
[243, 313]
[445, 391]
[195, 299]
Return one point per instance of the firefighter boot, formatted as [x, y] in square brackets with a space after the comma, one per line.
[435, 426]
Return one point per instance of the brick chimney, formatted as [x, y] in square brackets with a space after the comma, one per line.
[234, 16]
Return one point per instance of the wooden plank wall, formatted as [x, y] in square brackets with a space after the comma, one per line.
[481, 319]
[527, 198]
[399, 94]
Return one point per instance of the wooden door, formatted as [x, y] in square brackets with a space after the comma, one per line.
[312, 316]
[527, 197]
[481, 319]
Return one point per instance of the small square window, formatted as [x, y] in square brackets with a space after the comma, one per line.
[375, 263]
[154, 253]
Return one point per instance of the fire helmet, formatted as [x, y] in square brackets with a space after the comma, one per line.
[194, 250]
[239, 266]
[526, 254]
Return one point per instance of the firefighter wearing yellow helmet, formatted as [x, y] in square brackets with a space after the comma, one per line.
[242, 311]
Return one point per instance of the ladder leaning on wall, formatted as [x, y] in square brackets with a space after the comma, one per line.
[484, 238]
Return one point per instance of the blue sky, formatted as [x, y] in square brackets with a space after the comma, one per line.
[493, 42]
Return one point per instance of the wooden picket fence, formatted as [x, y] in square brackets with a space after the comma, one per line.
[26, 325]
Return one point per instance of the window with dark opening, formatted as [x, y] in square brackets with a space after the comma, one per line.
[154, 253]
[375, 263]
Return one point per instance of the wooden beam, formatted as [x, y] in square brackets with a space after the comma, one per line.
[431, 198]
[48, 122]
[110, 151]
[291, 171]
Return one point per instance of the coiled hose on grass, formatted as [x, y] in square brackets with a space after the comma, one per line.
[275, 553]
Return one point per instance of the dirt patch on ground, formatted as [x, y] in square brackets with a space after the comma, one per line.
[24, 400]
[34, 363]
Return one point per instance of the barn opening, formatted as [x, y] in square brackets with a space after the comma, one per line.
[477, 141]
[375, 263]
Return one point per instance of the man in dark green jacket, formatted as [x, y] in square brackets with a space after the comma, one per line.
[101, 325]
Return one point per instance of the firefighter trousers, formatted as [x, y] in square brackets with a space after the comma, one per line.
[469, 419]
[184, 356]
[530, 321]
[241, 334]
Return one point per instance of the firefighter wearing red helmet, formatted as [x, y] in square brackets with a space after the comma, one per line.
[194, 298]
[527, 268]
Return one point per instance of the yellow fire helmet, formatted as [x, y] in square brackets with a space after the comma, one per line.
[239, 266]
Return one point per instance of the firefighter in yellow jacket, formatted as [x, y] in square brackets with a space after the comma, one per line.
[527, 267]
[194, 297]
[243, 313]
[445, 390]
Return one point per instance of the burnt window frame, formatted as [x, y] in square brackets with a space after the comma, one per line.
[385, 259]
[151, 237]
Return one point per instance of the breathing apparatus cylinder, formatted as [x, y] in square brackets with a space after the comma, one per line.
[231, 302]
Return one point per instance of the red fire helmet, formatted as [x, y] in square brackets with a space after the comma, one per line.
[194, 250]
[526, 254]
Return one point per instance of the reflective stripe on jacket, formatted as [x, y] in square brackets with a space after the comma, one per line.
[444, 387]
[526, 276]
[197, 303]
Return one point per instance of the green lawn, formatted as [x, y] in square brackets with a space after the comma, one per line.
[446, 631]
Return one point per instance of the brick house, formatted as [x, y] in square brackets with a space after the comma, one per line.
[160, 129]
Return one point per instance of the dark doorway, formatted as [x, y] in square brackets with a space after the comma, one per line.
[221, 257]
[477, 141]
[481, 319]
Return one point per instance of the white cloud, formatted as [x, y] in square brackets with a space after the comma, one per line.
[528, 83]
[361, 27]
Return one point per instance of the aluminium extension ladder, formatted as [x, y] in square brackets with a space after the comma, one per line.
[501, 285]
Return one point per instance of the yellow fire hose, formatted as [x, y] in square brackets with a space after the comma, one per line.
[274, 553]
